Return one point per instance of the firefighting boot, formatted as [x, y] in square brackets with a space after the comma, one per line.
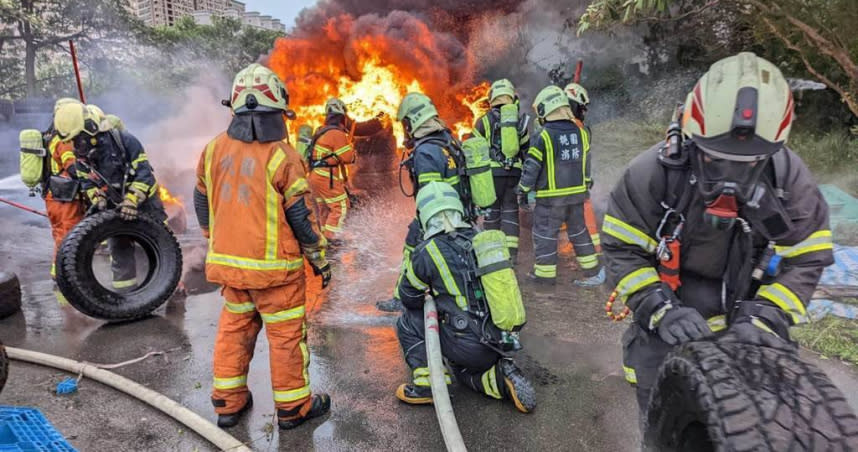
[593, 281]
[414, 395]
[517, 387]
[320, 404]
[391, 305]
[231, 420]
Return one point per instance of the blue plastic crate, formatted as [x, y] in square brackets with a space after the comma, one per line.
[27, 430]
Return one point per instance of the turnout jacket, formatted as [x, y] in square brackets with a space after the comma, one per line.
[558, 164]
[434, 160]
[488, 127]
[442, 266]
[113, 162]
[712, 264]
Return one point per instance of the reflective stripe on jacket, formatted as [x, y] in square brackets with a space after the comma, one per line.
[249, 186]
[557, 164]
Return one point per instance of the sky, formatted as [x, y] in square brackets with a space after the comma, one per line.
[285, 10]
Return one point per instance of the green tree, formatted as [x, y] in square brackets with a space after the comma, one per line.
[819, 36]
[37, 26]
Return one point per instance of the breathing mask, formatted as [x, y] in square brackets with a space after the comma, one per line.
[727, 182]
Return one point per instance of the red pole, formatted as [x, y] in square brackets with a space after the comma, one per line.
[578, 68]
[23, 207]
[76, 71]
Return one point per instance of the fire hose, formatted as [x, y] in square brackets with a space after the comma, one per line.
[221, 439]
[438, 381]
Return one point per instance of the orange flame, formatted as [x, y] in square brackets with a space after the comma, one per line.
[167, 197]
[370, 74]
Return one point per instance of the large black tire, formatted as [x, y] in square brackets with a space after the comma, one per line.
[77, 282]
[727, 396]
[4, 366]
[10, 294]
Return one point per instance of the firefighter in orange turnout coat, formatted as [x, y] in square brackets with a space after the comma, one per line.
[252, 200]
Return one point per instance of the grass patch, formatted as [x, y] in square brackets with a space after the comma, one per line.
[832, 336]
[832, 156]
[616, 142]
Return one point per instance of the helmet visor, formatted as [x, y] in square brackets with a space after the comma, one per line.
[721, 173]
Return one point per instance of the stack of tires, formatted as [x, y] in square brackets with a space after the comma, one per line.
[732, 396]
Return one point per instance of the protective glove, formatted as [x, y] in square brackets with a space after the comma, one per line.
[97, 199]
[760, 323]
[521, 193]
[679, 324]
[128, 206]
[315, 254]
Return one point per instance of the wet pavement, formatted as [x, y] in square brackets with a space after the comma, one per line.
[571, 352]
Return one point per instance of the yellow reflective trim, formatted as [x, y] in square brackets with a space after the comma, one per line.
[140, 158]
[785, 299]
[487, 126]
[272, 206]
[231, 382]
[412, 278]
[420, 376]
[305, 354]
[588, 262]
[818, 241]
[490, 384]
[627, 233]
[596, 239]
[549, 150]
[326, 172]
[283, 316]
[124, 284]
[717, 323]
[321, 151]
[239, 308]
[299, 186]
[561, 191]
[630, 374]
[252, 264]
[545, 271]
[446, 276]
[761, 325]
[511, 241]
[636, 281]
[336, 199]
[343, 149]
[429, 177]
[292, 395]
[66, 156]
[207, 159]
[535, 153]
[143, 187]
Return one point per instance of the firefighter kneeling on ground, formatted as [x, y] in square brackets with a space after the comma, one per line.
[114, 172]
[252, 201]
[478, 300]
[725, 232]
[558, 168]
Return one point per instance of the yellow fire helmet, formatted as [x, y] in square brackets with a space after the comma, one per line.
[63, 101]
[549, 99]
[73, 118]
[335, 106]
[742, 109]
[416, 109]
[577, 93]
[502, 87]
[257, 88]
[96, 111]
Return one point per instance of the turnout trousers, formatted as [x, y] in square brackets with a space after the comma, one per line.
[123, 263]
[474, 364]
[333, 202]
[281, 310]
[547, 221]
[503, 214]
[63, 216]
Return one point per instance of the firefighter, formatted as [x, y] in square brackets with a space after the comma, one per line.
[723, 233]
[63, 203]
[558, 169]
[433, 157]
[331, 152]
[252, 200]
[579, 100]
[114, 172]
[506, 130]
[443, 264]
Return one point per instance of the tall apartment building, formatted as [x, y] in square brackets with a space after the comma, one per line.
[162, 12]
[166, 12]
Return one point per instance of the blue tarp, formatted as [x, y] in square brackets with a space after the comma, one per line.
[843, 273]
